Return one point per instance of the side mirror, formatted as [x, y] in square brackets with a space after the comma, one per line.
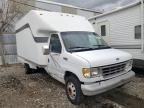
[45, 50]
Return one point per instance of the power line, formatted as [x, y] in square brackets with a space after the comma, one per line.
[47, 9]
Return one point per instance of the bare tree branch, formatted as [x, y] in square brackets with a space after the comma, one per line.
[10, 10]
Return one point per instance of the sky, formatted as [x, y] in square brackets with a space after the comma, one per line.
[98, 4]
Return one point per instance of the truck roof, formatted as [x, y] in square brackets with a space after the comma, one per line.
[53, 21]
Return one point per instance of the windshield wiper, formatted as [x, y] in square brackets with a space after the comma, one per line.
[102, 46]
[76, 49]
[79, 48]
[99, 45]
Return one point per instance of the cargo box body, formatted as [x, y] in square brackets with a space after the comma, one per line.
[30, 50]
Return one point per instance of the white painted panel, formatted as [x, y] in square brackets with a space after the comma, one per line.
[86, 14]
[29, 49]
[106, 23]
[137, 53]
[49, 7]
[122, 25]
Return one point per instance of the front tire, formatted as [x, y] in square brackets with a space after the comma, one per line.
[73, 90]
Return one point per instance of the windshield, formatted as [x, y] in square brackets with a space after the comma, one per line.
[82, 41]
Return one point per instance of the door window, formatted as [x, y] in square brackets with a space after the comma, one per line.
[55, 45]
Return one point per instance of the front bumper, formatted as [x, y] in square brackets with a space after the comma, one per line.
[102, 86]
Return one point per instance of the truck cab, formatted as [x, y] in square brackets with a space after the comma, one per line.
[72, 54]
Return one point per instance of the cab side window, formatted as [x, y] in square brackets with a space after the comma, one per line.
[55, 45]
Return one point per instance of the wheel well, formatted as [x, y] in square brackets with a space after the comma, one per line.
[68, 73]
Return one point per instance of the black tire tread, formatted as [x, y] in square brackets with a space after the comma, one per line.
[27, 68]
[79, 95]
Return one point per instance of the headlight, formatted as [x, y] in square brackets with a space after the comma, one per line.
[95, 72]
[129, 65]
[90, 72]
[86, 72]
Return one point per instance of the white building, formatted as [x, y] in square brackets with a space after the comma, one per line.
[59, 7]
[123, 28]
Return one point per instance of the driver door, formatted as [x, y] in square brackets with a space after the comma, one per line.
[55, 58]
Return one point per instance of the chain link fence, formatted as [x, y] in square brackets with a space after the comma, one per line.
[8, 52]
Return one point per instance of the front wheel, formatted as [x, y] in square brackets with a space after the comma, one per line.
[73, 90]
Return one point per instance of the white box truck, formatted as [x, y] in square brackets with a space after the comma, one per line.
[67, 47]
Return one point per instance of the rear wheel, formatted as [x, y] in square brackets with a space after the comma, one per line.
[28, 70]
[73, 90]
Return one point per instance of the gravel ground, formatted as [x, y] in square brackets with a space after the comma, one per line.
[18, 90]
[136, 86]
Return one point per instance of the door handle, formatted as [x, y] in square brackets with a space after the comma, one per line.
[48, 60]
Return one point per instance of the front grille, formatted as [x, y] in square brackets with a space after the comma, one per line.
[113, 69]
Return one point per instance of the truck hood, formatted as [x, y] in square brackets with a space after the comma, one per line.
[104, 57]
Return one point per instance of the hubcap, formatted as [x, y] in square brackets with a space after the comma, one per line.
[71, 90]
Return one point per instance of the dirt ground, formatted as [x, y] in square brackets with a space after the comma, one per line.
[39, 90]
